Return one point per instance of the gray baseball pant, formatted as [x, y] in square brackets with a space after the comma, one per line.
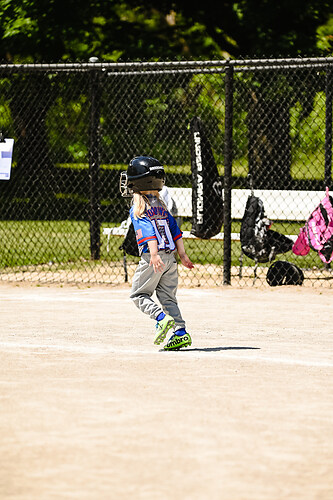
[146, 282]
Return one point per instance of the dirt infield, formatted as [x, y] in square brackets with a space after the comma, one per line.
[91, 409]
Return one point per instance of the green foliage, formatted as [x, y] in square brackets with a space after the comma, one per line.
[67, 124]
[308, 130]
[325, 36]
[35, 30]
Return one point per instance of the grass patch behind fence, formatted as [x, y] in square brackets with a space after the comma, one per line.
[67, 244]
[306, 166]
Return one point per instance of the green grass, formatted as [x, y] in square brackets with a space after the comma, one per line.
[67, 244]
[308, 166]
[170, 169]
[38, 242]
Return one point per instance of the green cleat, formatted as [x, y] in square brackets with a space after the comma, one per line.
[162, 328]
[178, 341]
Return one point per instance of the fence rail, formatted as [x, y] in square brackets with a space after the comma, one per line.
[76, 126]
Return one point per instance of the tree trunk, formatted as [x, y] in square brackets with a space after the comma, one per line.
[269, 143]
[30, 103]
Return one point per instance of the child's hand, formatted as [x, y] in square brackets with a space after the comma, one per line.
[155, 259]
[183, 255]
[157, 263]
[186, 261]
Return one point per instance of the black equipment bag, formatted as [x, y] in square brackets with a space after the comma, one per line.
[258, 242]
[207, 197]
[129, 245]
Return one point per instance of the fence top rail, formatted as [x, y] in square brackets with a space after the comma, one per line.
[238, 64]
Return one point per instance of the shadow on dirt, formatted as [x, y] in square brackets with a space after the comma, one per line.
[212, 349]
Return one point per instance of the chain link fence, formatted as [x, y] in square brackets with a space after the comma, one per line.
[76, 126]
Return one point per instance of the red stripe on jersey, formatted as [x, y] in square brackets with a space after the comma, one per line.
[149, 238]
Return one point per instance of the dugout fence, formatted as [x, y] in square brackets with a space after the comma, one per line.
[77, 125]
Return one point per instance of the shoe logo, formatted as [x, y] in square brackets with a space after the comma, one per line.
[180, 340]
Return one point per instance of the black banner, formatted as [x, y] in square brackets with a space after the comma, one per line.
[207, 199]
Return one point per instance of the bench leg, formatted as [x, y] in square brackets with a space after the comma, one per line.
[255, 271]
[125, 267]
[240, 264]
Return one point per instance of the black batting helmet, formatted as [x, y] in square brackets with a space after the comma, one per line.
[144, 173]
[282, 272]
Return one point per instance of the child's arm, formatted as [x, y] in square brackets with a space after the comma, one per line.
[182, 254]
[155, 259]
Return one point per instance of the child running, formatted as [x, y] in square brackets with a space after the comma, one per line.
[159, 238]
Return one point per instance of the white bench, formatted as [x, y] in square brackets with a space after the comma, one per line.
[279, 206]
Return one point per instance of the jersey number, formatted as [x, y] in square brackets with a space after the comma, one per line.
[165, 240]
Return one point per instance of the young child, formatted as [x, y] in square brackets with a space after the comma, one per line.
[158, 237]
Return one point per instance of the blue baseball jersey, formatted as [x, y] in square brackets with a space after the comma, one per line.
[156, 224]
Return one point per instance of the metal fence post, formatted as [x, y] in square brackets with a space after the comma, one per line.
[328, 128]
[227, 173]
[94, 164]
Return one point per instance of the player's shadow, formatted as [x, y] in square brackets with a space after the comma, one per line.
[214, 349]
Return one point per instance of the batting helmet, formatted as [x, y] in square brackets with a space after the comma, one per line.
[144, 173]
[284, 273]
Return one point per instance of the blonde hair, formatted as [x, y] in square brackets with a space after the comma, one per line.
[141, 203]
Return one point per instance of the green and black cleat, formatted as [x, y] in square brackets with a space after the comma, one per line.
[162, 328]
[176, 342]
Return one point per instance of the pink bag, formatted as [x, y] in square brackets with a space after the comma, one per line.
[301, 245]
[318, 231]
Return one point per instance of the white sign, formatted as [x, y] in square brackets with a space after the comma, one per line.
[6, 154]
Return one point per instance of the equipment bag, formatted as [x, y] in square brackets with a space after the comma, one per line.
[130, 245]
[207, 197]
[317, 234]
[258, 241]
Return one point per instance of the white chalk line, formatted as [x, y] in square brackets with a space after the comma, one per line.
[87, 296]
[63, 298]
[189, 353]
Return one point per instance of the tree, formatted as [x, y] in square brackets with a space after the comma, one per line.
[48, 31]
[253, 28]
[54, 30]
[258, 28]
